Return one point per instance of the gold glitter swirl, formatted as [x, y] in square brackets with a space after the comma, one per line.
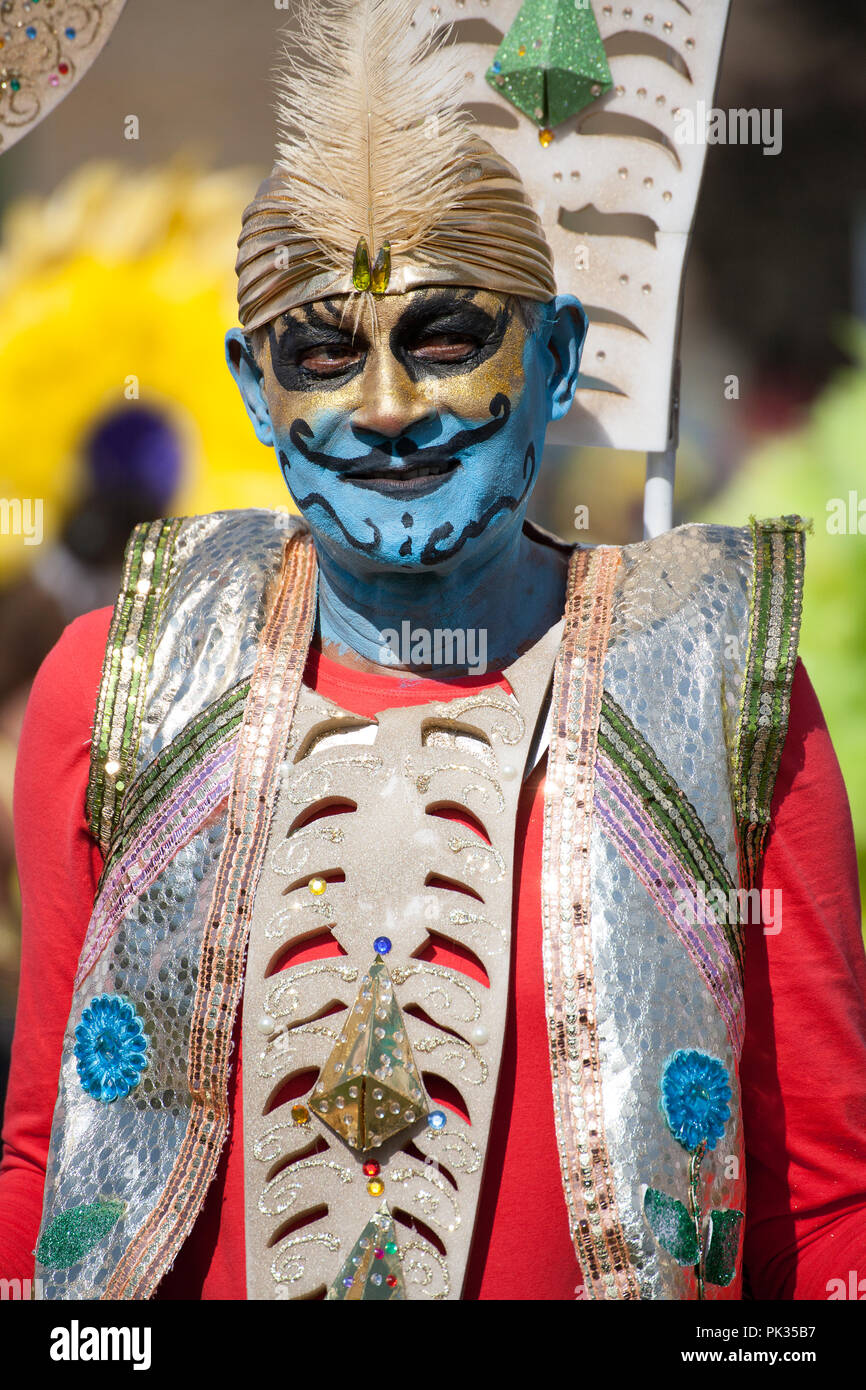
[417, 1267]
[430, 1044]
[428, 1203]
[45, 51]
[289, 1265]
[287, 1187]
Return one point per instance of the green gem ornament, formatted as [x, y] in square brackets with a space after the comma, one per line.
[551, 63]
[372, 1272]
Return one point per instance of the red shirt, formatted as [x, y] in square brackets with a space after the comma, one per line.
[803, 1065]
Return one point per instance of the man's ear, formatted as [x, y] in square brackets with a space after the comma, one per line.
[566, 340]
[250, 382]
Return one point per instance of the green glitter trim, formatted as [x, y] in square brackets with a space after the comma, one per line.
[774, 628]
[676, 818]
[216, 723]
[69, 1237]
[128, 654]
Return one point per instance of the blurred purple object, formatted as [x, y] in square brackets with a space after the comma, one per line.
[135, 452]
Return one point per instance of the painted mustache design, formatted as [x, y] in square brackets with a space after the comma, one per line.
[377, 466]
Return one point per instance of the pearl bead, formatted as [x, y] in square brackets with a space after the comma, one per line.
[509, 772]
[479, 1034]
[267, 1024]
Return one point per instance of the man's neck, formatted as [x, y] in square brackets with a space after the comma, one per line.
[478, 617]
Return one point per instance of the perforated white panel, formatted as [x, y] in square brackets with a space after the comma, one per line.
[617, 193]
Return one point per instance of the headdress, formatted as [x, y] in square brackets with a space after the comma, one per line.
[380, 184]
[597, 113]
[45, 49]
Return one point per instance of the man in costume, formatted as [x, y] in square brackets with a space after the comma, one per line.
[476, 939]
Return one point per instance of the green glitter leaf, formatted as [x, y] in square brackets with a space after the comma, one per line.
[724, 1245]
[671, 1225]
[551, 63]
[67, 1239]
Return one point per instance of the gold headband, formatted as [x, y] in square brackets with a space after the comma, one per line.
[491, 238]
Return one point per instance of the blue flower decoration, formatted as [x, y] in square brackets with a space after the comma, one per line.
[110, 1047]
[695, 1096]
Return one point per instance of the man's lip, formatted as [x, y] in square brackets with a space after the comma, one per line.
[404, 480]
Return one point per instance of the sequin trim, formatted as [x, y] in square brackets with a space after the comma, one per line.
[266, 725]
[128, 654]
[587, 1174]
[170, 769]
[774, 628]
[671, 884]
[165, 807]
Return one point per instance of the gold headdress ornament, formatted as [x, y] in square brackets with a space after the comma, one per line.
[380, 185]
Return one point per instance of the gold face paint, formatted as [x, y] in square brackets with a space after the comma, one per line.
[426, 353]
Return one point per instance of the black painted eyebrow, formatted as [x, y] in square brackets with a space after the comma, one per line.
[311, 331]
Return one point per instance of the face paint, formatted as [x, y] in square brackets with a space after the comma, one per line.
[413, 445]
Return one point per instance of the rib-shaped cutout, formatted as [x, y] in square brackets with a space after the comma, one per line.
[321, 1293]
[318, 1146]
[447, 726]
[489, 114]
[300, 1083]
[420, 1227]
[297, 1223]
[629, 128]
[628, 43]
[330, 806]
[445, 1093]
[460, 815]
[596, 314]
[469, 31]
[441, 950]
[412, 1151]
[329, 875]
[451, 885]
[333, 731]
[423, 1017]
[588, 221]
[317, 945]
[597, 383]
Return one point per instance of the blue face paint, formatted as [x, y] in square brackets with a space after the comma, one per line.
[412, 454]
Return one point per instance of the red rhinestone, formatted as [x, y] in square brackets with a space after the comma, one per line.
[371, 1170]
[391, 1281]
[63, 68]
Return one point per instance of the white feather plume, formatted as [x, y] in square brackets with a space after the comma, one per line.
[371, 130]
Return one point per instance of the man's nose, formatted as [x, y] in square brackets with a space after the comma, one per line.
[391, 401]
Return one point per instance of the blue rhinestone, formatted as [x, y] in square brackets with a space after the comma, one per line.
[348, 1282]
[497, 66]
[70, 32]
[381, 945]
[437, 1119]
[30, 31]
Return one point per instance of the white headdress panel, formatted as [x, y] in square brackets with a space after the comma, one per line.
[616, 191]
